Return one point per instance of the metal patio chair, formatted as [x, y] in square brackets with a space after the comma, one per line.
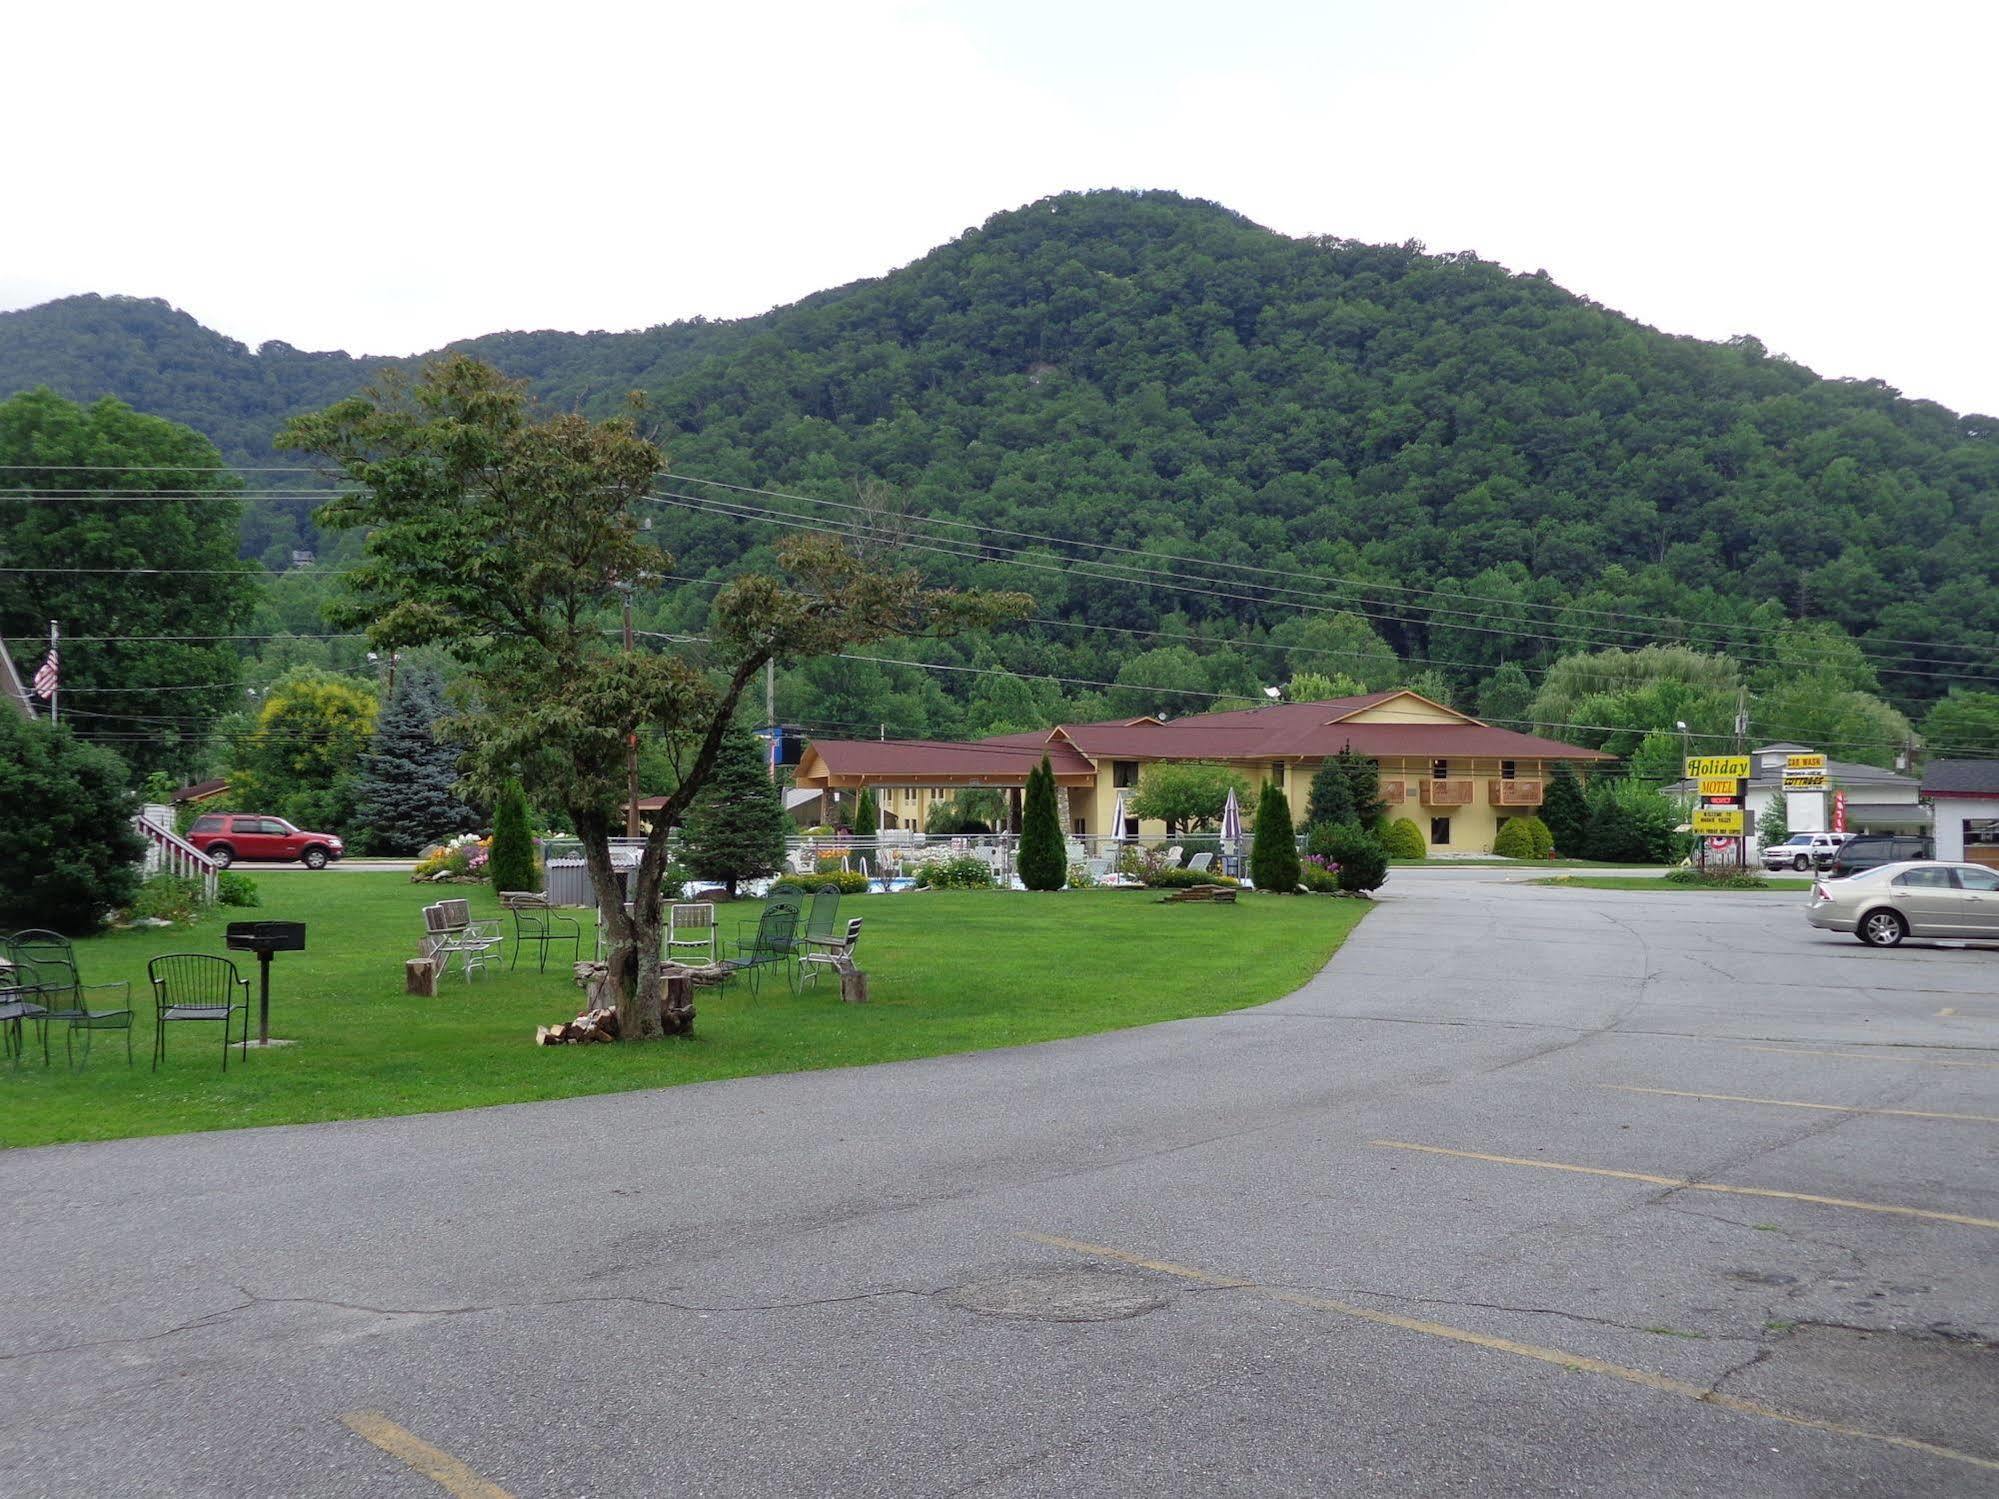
[820, 919]
[66, 1000]
[778, 900]
[774, 942]
[537, 922]
[828, 952]
[1200, 862]
[450, 930]
[690, 929]
[196, 986]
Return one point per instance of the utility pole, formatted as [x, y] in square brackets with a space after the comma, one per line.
[631, 740]
[770, 714]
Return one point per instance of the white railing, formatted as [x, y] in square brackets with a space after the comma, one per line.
[169, 853]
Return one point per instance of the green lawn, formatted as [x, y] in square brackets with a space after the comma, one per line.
[1653, 882]
[948, 971]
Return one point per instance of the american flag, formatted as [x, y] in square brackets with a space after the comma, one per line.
[46, 678]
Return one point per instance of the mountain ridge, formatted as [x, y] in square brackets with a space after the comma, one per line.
[1126, 369]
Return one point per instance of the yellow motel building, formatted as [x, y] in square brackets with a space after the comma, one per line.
[1457, 779]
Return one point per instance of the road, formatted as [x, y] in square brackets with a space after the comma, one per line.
[1532, 1191]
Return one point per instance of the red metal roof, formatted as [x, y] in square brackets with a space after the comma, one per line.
[1282, 731]
[1011, 756]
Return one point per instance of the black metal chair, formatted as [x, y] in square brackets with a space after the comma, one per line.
[773, 943]
[537, 921]
[196, 986]
[20, 1003]
[778, 900]
[65, 999]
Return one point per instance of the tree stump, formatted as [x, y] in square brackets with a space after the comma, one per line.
[853, 982]
[420, 977]
[676, 1001]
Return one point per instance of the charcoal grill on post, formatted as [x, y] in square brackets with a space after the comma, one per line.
[264, 938]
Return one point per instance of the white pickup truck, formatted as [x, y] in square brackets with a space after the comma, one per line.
[1804, 851]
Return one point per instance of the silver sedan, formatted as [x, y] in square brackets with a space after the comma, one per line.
[1919, 898]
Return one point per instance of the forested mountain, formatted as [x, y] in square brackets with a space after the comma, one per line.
[1483, 465]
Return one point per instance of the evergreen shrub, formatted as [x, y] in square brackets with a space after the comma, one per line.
[1404, 840]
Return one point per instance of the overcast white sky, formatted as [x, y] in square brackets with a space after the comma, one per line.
[384, 177]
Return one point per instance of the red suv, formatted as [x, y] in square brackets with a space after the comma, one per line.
[237, 835]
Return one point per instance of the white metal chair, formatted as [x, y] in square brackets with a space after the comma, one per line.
[828, 952]
[450, 931]
[690, 929]
[1200, 862]
[1173, 856]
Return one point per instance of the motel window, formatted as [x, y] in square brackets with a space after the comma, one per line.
[1078, 828]
[1277, 773]
[1124, 774]
[1440, 770]
[1440, 831]
[1506, 770]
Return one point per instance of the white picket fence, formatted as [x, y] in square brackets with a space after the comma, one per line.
[169, 853]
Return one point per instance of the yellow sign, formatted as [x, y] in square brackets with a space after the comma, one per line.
[1804, 780]
[1733, 766]
[1804, 762]
[1718, 822]
[1719, 785]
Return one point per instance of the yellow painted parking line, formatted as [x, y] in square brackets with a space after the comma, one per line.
[440, 1467]
[1863, 1056]
[1560, 1358]
[1682, 1184]
[1793, 1103]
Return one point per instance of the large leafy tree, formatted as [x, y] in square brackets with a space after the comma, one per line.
[406, 795]
[505, 535]
[68, 853]
[1186, 795]
[88, 496]
[736, 827]
[1963, 726]
[301, 758]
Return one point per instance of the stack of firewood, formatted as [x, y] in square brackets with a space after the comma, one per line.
[591, 1025]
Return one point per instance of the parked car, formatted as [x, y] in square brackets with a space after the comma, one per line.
[1923, 898]
[1872, 850]
[227, 837]
[1804, 851]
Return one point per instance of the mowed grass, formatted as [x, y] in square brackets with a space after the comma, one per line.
[1650, 882]
[948, 971]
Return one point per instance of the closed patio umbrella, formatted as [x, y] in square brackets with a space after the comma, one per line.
[1231, 825]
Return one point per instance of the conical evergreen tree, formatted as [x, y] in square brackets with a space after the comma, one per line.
[510, 864]
[1566, 812]
[406, 798]
[867, 816]
[736, 828]
[1043, 863]
[1273, 849]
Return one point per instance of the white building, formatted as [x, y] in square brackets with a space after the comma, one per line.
[1965, 795]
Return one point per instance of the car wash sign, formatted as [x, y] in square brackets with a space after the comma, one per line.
[1804, 773]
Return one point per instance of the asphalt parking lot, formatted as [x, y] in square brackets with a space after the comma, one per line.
[1531, 1191]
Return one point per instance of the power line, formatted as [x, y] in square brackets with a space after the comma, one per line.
[1317, 578]
[1174, 582]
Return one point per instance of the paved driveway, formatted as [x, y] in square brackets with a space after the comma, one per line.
[1532, 1191]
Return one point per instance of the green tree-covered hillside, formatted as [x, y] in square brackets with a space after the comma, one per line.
[1481, 466]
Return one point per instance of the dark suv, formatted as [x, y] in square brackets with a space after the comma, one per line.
[227, 837]
[1872, 850]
